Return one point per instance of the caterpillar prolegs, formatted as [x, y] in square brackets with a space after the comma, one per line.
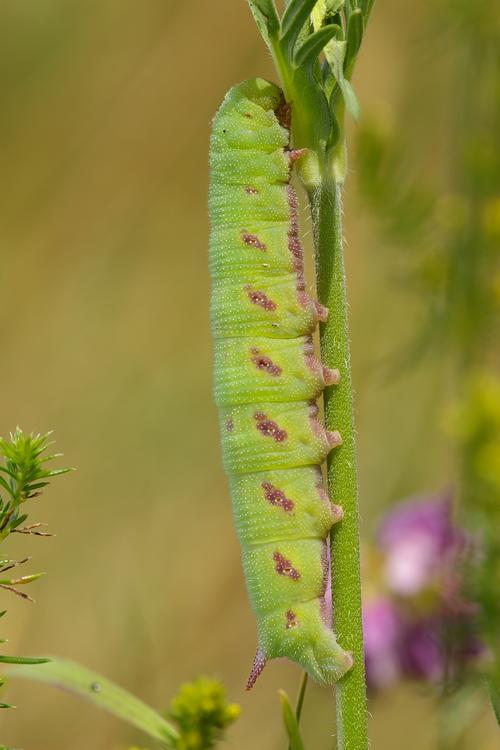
[266, 382]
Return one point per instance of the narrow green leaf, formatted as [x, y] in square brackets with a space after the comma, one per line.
[103, 693]
[56, 472]
[295, 16]
[52, 457]
[314, 44]
[494, 694]
[23, 580]
[335, 54]
[350, 98]
[6, 486]
[29, 488]
[7, 471]
[18, 521]
[267, 19]
[366, 7]
[355, 27]
[22, 660]
[290, 722]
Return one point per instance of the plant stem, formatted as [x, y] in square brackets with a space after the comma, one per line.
[326, 211]
[301, 696]
[300, 700]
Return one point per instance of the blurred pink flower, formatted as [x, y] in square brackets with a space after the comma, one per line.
[419, 542]
[409, 634]
[382, 633]
[422, 649]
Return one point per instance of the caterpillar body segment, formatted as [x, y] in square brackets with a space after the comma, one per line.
[266, 381]
[256, 437]
[266, 370]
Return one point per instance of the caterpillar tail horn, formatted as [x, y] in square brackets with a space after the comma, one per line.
[257, 668]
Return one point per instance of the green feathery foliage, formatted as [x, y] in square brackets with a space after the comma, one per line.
[23, 476]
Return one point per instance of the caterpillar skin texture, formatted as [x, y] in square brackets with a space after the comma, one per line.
[266, 380]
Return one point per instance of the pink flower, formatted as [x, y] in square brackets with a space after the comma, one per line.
[409, 634]
[419, 542]
[382, 634]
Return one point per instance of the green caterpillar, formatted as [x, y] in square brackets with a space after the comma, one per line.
[266, 380]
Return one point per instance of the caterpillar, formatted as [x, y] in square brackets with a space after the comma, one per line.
[266, 380]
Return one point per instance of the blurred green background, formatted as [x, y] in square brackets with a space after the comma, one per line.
[106, 109]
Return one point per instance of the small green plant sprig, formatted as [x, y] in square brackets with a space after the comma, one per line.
[314, 47]
[23, 477]
[202, 714]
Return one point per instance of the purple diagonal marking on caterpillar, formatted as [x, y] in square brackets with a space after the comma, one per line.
[291, 619]
[325, 601]
[277, 497]
[296, 249]
[284, 567]
[293, 232]
[294, 211]
[261, 299]
[253, 241]
[325, 564]
[269, 428]
[265, 363]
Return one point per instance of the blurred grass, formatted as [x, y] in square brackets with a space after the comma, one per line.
[103, 232]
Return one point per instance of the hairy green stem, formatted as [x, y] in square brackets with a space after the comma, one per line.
[326, 208]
